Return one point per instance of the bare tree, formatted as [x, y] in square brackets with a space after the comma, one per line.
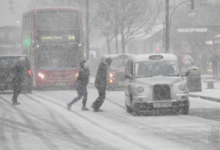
[132, 19]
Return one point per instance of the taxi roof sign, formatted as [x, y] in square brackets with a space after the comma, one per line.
[156, 57]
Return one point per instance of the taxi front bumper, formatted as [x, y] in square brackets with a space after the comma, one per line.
[141, 104]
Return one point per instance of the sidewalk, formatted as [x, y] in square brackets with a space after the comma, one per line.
[208, 94]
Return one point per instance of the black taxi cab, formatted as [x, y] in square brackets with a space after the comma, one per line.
[7, 63]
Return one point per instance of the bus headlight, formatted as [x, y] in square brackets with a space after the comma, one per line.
[41, 75]
[140, 89]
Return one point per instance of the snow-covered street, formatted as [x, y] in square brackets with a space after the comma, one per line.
[42, 122]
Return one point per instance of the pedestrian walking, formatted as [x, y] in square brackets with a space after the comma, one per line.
[81, 85]
[100, 83]
[17, 79]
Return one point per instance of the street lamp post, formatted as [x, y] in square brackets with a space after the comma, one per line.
[168, 20]
[192, 12]
[167, 44]
[87, 29]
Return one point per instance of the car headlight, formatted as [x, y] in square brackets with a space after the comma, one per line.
[182, 87]
[111, 74]
[140, 89]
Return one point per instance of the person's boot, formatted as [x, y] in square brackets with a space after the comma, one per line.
[15, 103]
[97, 110]
[68, 106]
[84, 108]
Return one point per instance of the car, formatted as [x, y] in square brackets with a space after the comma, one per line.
[7, 63]
[154, 84]
[116, 71]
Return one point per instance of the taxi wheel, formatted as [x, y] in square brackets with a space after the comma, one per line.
[185, 111]
[28, 89]
[129, 110]
[135, 113]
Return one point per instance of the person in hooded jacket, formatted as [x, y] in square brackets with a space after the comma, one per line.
[100, 84]
[188, 62]
[17, 79]
[81, 86]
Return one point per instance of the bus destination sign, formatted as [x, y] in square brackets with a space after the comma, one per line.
[70, 37]
[57, 37]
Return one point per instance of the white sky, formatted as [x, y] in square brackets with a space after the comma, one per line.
[6, 15]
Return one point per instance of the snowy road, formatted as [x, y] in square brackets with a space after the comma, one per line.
[42, 122]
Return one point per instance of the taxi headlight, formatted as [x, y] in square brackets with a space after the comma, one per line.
[182, 87]
[140, 89]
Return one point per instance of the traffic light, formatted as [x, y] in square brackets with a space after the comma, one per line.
[27, 40]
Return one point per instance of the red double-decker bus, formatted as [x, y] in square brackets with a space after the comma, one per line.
[52, 40]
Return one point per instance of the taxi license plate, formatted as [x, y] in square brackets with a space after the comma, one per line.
[121, 83]
[60, 84]
[162, 104]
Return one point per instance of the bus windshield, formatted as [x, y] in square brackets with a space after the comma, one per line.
[61, 19]
[58, 58]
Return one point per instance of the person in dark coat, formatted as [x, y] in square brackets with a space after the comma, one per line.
[100, 84]
[17, 79]
[81, 86]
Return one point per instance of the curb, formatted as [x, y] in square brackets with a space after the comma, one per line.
[205, 97]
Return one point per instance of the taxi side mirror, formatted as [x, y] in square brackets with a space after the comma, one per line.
[128, 76]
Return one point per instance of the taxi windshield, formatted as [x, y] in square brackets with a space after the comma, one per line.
[157, 68]
[118, 63]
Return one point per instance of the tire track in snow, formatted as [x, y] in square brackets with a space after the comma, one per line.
[15, 134]
[138, 144]
[37, 133]
[166, 135]
[78, 140]
[22, 127]
[3, 138]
